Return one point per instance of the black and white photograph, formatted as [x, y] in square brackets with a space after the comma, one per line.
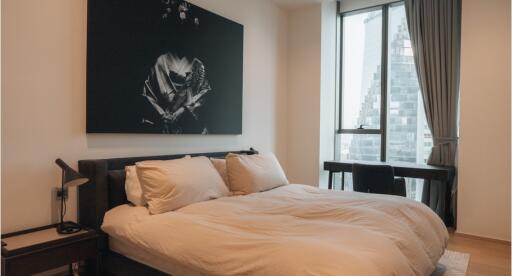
[162, 66]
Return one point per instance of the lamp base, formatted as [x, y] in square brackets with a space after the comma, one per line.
[68, 228]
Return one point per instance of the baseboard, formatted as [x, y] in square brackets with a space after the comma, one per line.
[464, 235]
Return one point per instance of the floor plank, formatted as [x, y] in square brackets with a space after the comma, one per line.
[489, 258]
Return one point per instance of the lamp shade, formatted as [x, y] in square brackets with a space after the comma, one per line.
[70, 176]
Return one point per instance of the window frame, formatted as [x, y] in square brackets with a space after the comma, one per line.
[382, 131]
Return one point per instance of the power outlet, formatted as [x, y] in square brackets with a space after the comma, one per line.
[59, 193]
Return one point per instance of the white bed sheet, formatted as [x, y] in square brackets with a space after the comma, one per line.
[290, 230]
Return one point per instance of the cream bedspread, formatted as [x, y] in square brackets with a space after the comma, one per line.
[290, 230]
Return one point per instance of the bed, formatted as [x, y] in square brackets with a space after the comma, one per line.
[290, 230]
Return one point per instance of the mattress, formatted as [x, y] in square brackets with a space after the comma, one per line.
[291, 230]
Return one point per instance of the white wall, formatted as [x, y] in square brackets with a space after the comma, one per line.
[328, 75]
[43, 100]
[484, 155]
[303, 116]
[311, 91]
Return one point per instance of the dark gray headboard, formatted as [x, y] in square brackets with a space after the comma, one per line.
[94, 198]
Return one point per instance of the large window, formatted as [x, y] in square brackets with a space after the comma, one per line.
[380, 112]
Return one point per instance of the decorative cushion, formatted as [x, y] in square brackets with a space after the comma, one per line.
[254, 173]
[172, 184]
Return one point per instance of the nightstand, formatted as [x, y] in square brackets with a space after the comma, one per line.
[41, 249]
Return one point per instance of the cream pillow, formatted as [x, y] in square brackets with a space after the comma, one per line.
[132, 187]
[172, 184]
[220, 166]
[254, 173]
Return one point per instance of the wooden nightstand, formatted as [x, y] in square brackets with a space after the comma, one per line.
[40, 249]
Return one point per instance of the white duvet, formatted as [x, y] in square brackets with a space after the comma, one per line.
[291, 230]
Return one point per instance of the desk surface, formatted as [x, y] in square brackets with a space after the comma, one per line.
[404, 169]
[37, 237]
[40, 238]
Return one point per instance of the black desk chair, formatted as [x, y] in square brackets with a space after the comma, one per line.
[377, 179]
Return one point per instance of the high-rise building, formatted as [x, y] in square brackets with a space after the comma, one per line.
[408, 137]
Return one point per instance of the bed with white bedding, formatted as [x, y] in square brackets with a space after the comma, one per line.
[290, 230]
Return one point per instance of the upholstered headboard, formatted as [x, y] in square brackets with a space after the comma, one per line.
[105, 189]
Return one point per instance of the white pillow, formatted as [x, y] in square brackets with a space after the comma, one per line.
[172, 184]
[220, 166]
[132, 187]
[254, 173]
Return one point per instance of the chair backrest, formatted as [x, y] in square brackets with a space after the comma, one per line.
[377, 179]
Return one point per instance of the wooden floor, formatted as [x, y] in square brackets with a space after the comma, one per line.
[487, 257]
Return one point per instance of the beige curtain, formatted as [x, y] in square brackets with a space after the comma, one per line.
[434, 27]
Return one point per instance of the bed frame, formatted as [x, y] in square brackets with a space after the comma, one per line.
[99, 195]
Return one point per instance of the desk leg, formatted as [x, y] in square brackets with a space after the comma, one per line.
[448, 214]
[343, 181]
[330, 180]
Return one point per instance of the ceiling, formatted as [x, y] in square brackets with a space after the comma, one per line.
[290, 4]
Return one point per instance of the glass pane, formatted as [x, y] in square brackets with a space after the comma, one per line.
[361, 67]
[338, 177]
[414, 188]
[360, 147]
[408, 136]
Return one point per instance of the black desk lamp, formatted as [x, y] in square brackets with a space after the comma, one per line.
[70, 178]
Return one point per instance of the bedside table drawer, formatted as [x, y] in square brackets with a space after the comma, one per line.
[49, 257]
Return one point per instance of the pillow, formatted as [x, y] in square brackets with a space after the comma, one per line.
[172, 184]
[254, 173]
[132, 185]
[220, 166]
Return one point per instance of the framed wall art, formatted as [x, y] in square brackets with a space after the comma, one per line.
[162, 66]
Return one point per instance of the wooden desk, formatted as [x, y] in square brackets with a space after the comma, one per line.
[403, 169]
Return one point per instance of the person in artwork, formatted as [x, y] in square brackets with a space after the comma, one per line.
[174, 92]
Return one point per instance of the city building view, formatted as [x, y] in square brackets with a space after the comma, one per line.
[408, 138]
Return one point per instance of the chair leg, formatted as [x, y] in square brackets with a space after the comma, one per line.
[399, 187]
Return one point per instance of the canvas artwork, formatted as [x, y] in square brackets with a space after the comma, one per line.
[162, 66]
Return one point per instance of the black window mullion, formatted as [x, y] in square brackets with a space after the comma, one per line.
[360, 131]
[384, 82]
[340, 81]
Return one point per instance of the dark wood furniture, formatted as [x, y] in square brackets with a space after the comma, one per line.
[402, 169]
[105, 191]
[41, 249]
[444, 174]
[377, 179]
